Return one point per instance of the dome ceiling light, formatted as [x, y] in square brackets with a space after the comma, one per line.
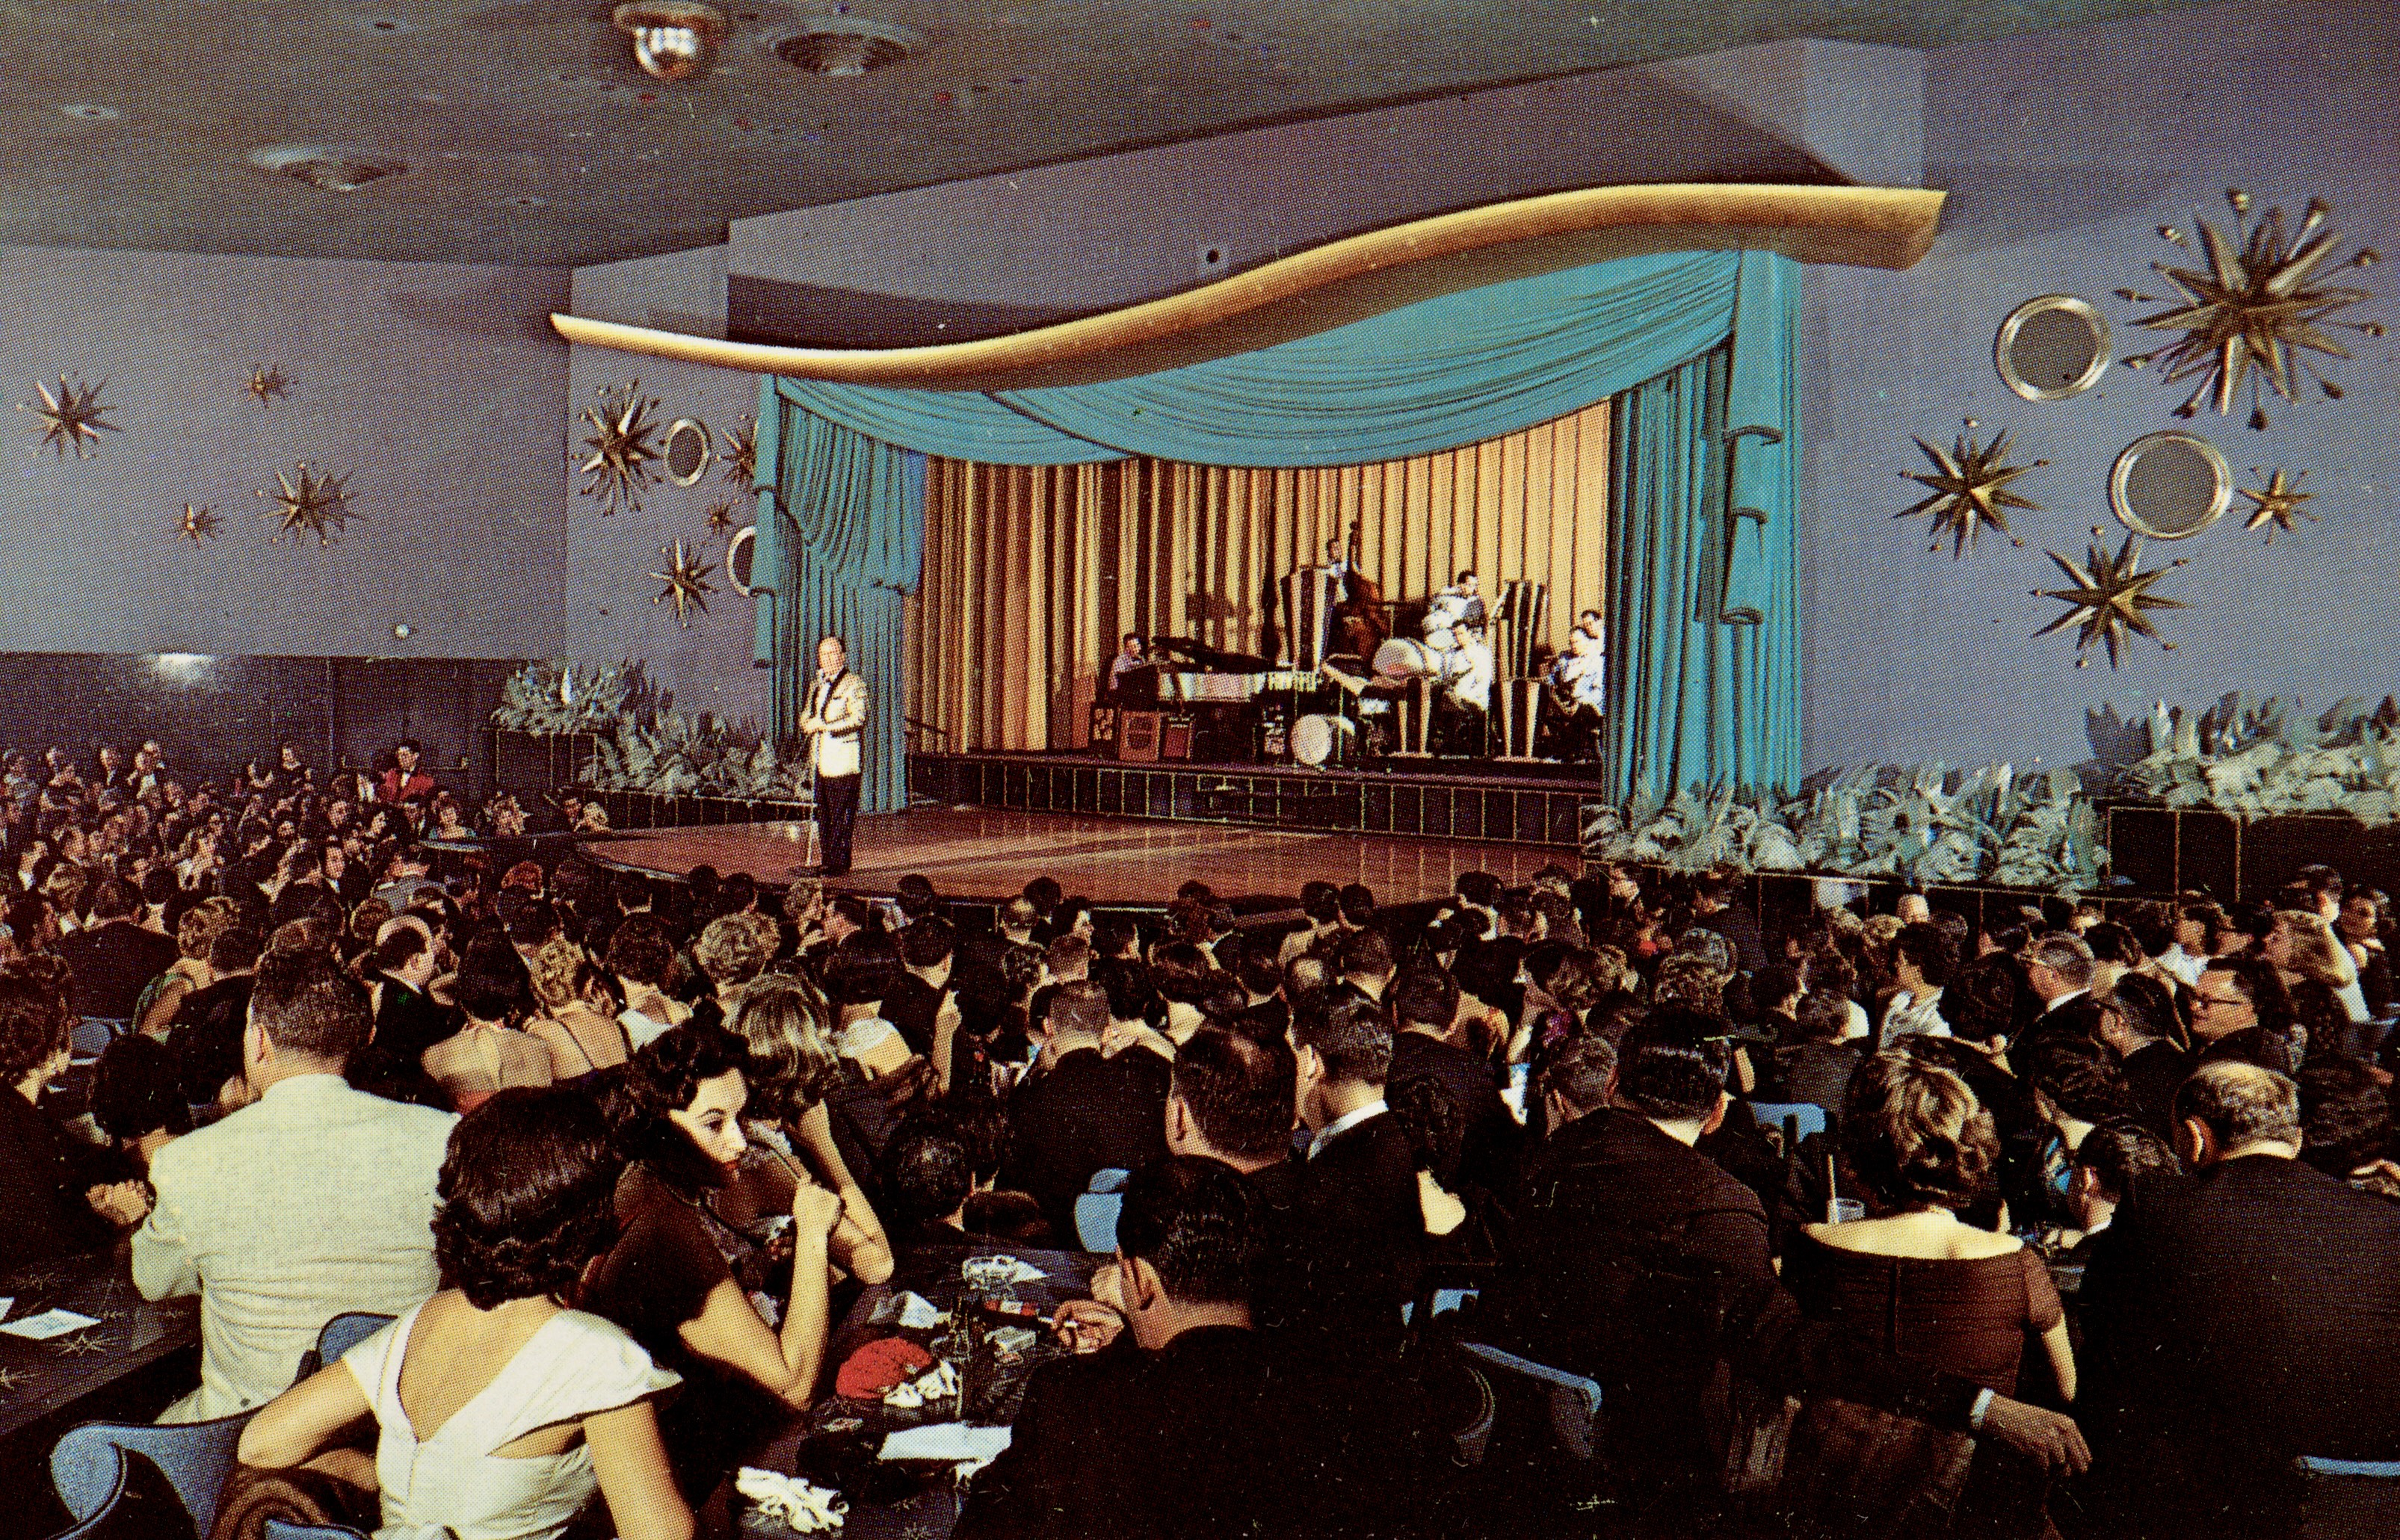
[672, 39]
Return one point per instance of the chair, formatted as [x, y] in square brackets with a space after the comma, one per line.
[1797, 1120]
[339, 1335]
[1574, 1402]
[87, 1463]
[133, 1504]
[279, 1529]
[1097, 1209]
[2348, 1499]
[91, 1035]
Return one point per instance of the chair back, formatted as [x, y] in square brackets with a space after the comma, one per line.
[90, 1036]
[138, 1503]
[339, 1335]
[1794, 1120]
[1096, 1220]
[86, 1463]
[284, 1529]
[2349, 1499]
[1573, 1399]
[1109, 1178]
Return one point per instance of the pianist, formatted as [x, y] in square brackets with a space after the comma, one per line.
[1127, 660]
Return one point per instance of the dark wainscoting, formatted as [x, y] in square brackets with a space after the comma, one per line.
[212, 713]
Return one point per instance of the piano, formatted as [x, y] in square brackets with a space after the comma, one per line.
[1218, 706]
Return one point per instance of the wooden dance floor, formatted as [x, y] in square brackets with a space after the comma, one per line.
[990, 853]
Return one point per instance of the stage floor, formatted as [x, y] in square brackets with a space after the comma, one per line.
[990, 853]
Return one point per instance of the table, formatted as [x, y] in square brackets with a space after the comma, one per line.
[835, 1443]
[126, 1368]
[37, 1378]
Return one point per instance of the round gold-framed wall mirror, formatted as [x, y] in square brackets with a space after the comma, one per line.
[2052, 348]
[688, 451]
[740, 552]
[2170, 485]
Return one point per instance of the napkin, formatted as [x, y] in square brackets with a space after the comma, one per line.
[790, 1500]
[974, 1447]
[914, 1310]
[48, 1324]
[942, 1380]
[1001, 1270]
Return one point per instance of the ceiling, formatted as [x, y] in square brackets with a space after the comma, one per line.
[533, 140]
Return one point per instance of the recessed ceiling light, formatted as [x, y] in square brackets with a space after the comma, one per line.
[672, 39]
[331, 167]
[844, 45]
[88, 112]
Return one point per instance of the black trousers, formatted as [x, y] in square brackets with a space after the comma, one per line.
[837, 816]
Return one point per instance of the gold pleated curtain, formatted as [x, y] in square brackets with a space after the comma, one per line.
[1032, 573]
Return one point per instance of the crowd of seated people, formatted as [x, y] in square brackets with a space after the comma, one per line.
[615, 1154]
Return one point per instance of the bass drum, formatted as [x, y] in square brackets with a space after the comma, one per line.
[1401, 658]
[1317, 741]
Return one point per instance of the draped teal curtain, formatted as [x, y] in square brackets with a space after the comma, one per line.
[1704, 632]
[841, 545]
[1707, 464]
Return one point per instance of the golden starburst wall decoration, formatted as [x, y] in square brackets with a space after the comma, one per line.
[2276, 503]
[2108, 599]
[1970, 489]
[721, 519]
[307, 504]
[266, 382]
[619, 465]
[740, 456]
[71, 418]
[686, 580]
[2255, 312]
[197, 524]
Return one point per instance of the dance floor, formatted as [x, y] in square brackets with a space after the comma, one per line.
[990, 853]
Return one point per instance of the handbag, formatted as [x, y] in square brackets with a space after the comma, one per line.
[1835, 1467]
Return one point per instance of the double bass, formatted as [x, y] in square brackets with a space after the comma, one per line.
[1359, 625]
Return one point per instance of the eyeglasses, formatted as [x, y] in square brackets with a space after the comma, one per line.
[2211, 1001]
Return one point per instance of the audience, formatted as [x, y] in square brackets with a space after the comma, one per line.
[1548, 1075]
[2246, 1317]
[311, 1200]
[534, 1408]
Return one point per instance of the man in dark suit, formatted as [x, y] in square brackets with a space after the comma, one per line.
[1079, 1111]
[1639, 1261]
[1424, 1007]
[113, 958]
[2139, 1027]
[1357, 1215]
[1174, 1429]
[206, 1036]
[2244, 1319]
[1716, 906]
[1231, 1099]
[2059, 972]
[2232, 1008]
[914, 999]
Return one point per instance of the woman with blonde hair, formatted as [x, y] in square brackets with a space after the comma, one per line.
[781, 1018]
[154, 1011]
[2319, 978]
[578, 1022]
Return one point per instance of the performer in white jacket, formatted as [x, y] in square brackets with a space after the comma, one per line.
[835, 715]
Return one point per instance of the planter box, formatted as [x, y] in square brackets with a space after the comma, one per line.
[2166, 850]
[539, 762]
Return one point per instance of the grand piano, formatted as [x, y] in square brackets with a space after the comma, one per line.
[1215, 706]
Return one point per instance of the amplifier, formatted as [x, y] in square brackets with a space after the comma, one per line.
[1137, 737]
[1175, 736]
[1274, 730]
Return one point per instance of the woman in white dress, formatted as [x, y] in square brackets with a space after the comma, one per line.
[500, 1411]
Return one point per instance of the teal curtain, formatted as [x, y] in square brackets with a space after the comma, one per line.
[1706, 467]
[1704, 634]
[841, 545]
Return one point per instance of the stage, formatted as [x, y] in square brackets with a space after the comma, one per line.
[985, 853]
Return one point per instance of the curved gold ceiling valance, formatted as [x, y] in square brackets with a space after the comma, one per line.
[1353, 278]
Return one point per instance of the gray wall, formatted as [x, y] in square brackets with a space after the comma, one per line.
[435, 386]
[608, 615]
[2063, 153]
[975, 257]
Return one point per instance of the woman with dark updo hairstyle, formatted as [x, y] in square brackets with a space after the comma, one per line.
[63, 1196]
[1916, 1278]
[693, 1288]
[534, 1405]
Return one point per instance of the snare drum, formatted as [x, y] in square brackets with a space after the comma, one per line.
[1323, 740]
